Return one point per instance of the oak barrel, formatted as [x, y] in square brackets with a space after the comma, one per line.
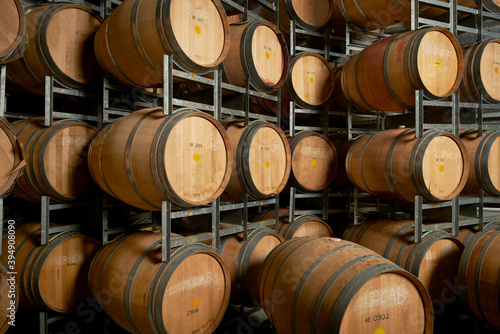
[56, 159]
[309, 82]
[51, 277]
[9, 301]
[257, 51]
[384, 76]
[395, 165]
[12, 31]
[327, 285]
[307, 14]
[261, 160]
[142, 294]
[481, 71]
[479, 277]
[434, 261]
[60, 38]
[11, 158]
[467, 233]
[368, 14]
[484, 157]
[342, 144]
[147, 157]
[132, 41]
[244, 259]
[314, 161]
[301, 226]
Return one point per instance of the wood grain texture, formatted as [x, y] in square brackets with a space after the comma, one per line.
[336, 286]
[131, 43]
[257, 51]
[9, 298]
[385, 75]
[310, 81]
[484, 162]
[244, 259]
[314, 161]
[261, 160]
[56, 159]
[11, 158]
[479, 277]
[12, 31]
[142, 294]
[466, 233]
[52, 277]
[302, 226]
[146, 157]
[60, 38]
[434, 261]
[395, 165]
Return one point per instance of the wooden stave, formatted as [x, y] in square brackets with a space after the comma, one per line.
[339, 140]
[19, 162]
[147, 54]
[294, 142]
[406, 253]
[244, 288]
[292, 246]
[158, 278]
[469, 279]
[246, 65]
[402, 97]
[290, 94]
[289, 229]
[40, 63]
[241, 179]
[28, 237]
[478, 151]
[390, 189]
[159, 179]
[17, 48]
[29, 186]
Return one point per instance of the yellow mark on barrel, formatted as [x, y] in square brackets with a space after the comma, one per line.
[311, 80]
[268, 55]
[268, 164]
[74, 271]
[197, 30]
[379, 331]
[313, 163]
[441, 168]
[496, 69]
[438, 63]
[196, 157]
[196, 302]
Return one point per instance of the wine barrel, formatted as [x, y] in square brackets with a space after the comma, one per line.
[147, 157]
[479, 277]
[51, 277]
[395, 165]
[481, 71]
[60, 38]
[467, 233]
[307, 14]
[309, 82]
[261, 160]
[301, 226]
[338, 101]
[132, 41]
[367, 14]
[327, 285]
[9, 300]
[434, 261]
[314, 161]
[12, 31]
[384, 76]
[244, 259]
[142, 294]
[342, 144]
[484, 155]
[11, 158]
[257, 51]
[56, 157]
